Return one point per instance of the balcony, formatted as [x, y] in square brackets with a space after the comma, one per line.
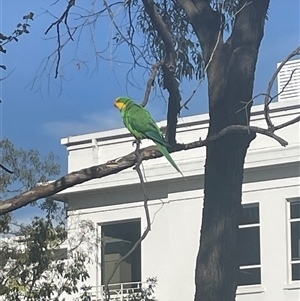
[123, 291]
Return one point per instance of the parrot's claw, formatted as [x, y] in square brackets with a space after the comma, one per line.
[136, 142]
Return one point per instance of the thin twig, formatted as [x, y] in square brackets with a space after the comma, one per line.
[63, 17]
[148, 228]
[129, 42]
[250, 102]
[267, 98]
[6, 169]
[57, 23]
[283, 88]
[248, 129]
[184, 105]
[150, 82]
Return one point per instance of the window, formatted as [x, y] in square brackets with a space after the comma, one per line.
[249, 246]
[294, 213]
[117, 240]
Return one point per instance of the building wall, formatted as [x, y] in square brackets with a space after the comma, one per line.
[290, 73]
[170, 249]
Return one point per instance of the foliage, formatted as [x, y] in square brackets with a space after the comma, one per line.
[27, 166]
[146, 293]
[186, 44]
[23, 170]
[44, 259]
[37, 262]
[20, 30]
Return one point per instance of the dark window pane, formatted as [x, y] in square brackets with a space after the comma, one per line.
[248, 243]
[249, 276]
[295, 239]
[295, 209]
[117, 240]
[296, 271]
[249, 215]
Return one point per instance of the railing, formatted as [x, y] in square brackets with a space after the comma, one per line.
[117, 291]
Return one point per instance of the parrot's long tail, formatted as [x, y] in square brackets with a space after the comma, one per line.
[165, 152]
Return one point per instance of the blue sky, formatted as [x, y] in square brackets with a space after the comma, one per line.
[39, 119]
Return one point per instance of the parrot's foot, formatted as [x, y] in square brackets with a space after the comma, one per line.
[137, 142]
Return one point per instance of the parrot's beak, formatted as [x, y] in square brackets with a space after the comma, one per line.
[117, 104]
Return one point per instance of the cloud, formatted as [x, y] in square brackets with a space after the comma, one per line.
[92, 122]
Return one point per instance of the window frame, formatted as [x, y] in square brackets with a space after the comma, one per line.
[245, 267]
[101, 247]
[290, 220]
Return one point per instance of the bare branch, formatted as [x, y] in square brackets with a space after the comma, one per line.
[285, 124]
[3, 78]
[128, 41]
[168, 69]
[248, 129]
[148, 228]
[268, 99]
[6, 169]
[150, 82]
[63, 18]
[163, 31]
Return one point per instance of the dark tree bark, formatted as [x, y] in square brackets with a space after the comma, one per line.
[168, 68]
[230, 77]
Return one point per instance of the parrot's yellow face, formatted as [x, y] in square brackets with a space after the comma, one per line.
[119, 104]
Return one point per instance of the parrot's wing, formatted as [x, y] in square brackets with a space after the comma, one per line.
[143, 125]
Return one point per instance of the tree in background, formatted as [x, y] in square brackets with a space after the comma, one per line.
[45, 256]
[186, 39]
[37, 262]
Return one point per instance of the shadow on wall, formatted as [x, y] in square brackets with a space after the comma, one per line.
[132, 193]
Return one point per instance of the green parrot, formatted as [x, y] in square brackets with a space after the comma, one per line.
[141, 125]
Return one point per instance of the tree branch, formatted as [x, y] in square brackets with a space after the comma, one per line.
[245, 31]
[268, 98]
[122, 163]
[219, 36]
[148, 228]
[63, 18]
[150, 82]
[6, 169]
[164, 33]
[168, 69]
[205, 21]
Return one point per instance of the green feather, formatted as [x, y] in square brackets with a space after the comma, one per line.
[165, 152]
[141, 124]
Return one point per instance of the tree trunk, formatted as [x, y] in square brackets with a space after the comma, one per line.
[230, 77]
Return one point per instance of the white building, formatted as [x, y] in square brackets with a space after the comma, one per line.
[289, 80]
[270, 230]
